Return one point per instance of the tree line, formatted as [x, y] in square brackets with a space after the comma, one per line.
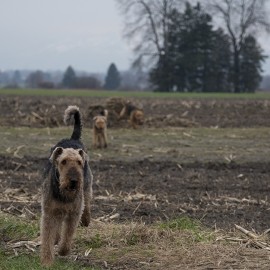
[72, 80]
[186, 50]
[67, 79]
[112, 79]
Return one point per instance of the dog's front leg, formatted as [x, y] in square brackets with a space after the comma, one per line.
[48, 234]
[69, 226]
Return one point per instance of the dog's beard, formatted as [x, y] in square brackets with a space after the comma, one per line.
[70, 191]
[100, 126]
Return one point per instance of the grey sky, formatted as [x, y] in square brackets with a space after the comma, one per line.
[52, 34]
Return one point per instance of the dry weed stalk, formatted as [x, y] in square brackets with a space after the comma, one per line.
[251, 239]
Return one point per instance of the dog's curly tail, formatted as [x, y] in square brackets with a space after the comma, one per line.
[75, 112]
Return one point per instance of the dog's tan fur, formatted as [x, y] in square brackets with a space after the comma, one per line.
[67, 191]
[135, 115]
[100, 130]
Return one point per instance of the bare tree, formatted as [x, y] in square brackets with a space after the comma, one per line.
[146, 26]
[241, 19]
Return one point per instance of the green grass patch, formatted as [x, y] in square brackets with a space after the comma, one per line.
[182, 223]
[133, 239]
[199, 233]
[12, 228]
[32, 262]
[16, 229]
[94, 241]
[137, 94]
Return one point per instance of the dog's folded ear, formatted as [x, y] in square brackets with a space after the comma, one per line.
[83, 155]
[55, 154]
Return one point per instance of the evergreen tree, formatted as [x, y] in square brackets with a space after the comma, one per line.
[204, 53]
[162, 76]
[196, 47]
[251, 59]
[197, 58]
[221, 75]
[240, 18]
[69, 78]
[201, 59]
[112, 80]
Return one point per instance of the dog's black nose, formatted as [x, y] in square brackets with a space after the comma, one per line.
[73, 184]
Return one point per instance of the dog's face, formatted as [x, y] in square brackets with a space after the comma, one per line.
[139, 117]
[69, 163]
[100, 122]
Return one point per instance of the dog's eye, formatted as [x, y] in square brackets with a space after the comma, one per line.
[79, 163]
[64, 162]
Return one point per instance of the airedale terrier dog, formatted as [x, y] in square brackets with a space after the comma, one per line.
[67, 191]
[135, 115]
[100, 130]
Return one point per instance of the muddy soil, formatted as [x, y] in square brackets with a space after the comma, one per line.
[220, 195]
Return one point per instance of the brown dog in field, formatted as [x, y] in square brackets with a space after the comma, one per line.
[100, 130]
[67, 191]
[135, 115]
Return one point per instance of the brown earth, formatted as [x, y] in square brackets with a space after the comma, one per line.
[218, 194]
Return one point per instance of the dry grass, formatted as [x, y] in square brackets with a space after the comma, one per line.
[172, 245]
[174, 144]
[143, 245]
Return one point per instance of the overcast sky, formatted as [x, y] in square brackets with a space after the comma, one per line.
[53, 34]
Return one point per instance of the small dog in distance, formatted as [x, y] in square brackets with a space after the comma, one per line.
[100, 130]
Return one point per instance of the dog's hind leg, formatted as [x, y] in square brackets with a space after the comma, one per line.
[85, 220]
